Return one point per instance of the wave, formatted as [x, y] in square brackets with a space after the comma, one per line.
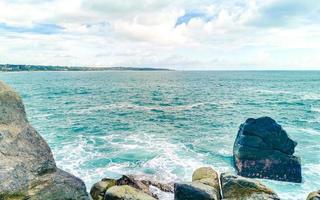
[311, 96]
[317, 110]
[310, 131]
[129, 106]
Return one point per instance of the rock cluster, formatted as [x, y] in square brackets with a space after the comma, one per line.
[27, 167]
[205, 185]
[263, 149]
[128, 188]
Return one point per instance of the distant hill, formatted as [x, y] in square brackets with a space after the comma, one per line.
[16, 68]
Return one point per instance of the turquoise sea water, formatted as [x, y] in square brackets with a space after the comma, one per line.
[166, 124]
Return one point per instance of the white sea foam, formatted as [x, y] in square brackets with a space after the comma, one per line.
[311, 96]
[315, 109]
[172, 163]
[274, 91]
[310, 131]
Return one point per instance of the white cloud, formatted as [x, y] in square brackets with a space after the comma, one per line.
[145, 33]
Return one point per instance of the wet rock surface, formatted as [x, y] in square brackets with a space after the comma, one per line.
[235, 187]
[263, 149]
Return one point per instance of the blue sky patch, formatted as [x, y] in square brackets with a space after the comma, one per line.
[45, 29]
[190, 15]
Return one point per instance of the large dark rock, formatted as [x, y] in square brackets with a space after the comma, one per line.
[263, 149]
[240, 188]
[27, 167]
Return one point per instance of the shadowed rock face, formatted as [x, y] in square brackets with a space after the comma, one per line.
[263, 150]
[27, 167]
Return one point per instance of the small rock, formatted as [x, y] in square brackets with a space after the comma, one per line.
[204, 172]
[206, 175]
[99, 189]
[126, 192]
[194, 191]
[240, 188]
[314, 195]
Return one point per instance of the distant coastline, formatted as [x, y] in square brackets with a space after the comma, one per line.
[17, 68]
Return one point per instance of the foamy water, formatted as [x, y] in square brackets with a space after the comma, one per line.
[166, 124]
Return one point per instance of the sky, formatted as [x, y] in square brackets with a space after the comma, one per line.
[176, 34]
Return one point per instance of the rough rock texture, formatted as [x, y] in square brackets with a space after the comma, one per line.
[27, 167]
[204, 185]
[208, 176]
[240, 188]
[99, 189]
[126, 192]
[263, 149]
[141, 183]
[135, 183]
[314, 195]
[194, 191]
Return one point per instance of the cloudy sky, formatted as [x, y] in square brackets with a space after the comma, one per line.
[179, 34]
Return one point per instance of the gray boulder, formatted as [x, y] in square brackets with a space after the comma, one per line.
[27, 167]
[263, 149]
[240, 188]
[204, 185]
[99, 189]
[314, 195]
[194, 191]
[126, 192]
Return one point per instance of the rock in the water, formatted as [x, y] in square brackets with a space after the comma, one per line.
[126, 192]
[27, 167]
[194, 191]
[240, 188]
[314, 195]
[263, 149]
[99, 189]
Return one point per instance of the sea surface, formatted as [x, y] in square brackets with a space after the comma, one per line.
[166, 124]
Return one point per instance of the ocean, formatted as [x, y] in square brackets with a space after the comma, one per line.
[166, 124]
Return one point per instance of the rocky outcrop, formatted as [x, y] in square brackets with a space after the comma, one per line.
[27, 167]
[240, 188]
[314, 195]
[140, 184]
[263, 149]
[204, 185]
